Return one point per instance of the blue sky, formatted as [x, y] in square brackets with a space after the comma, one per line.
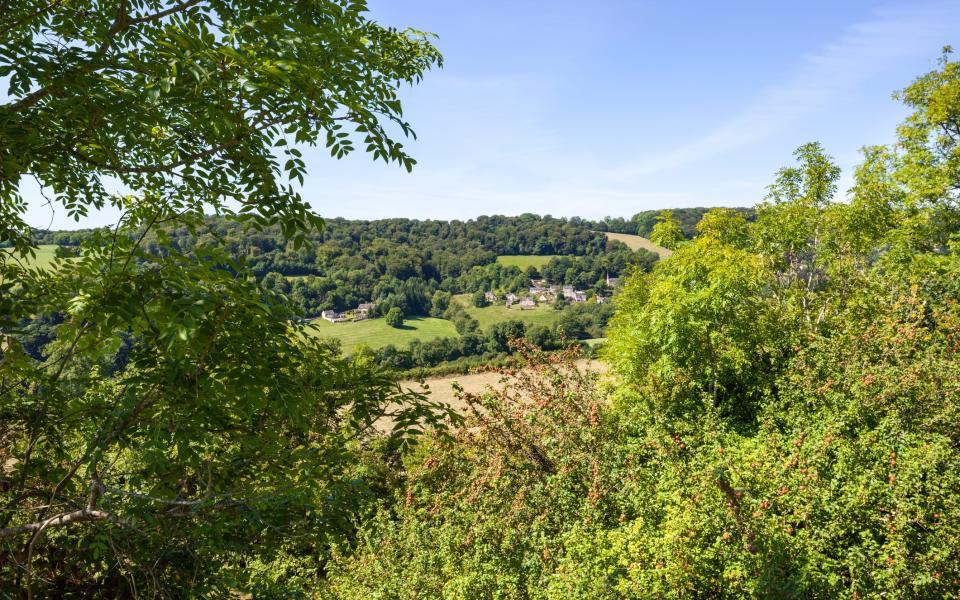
[612, 107]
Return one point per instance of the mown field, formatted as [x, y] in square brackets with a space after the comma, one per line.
[441, 388]
[635, 242]
[495, 313]
[522, 261]
[45, 255]
[376, 333]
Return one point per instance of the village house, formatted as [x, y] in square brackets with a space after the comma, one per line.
[365, 310]
[511, 299]
[332, 316]
[602, 299]
[527, 303]
[574, 295]
[490, 296]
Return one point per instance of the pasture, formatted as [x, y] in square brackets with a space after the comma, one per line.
[441, 388]
[376, 333]
[635, 242]
[44, 257]
[495, 313]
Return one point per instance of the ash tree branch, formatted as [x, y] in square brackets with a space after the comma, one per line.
[165, 13]
[60, 520]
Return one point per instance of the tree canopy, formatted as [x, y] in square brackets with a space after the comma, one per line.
[177, 416]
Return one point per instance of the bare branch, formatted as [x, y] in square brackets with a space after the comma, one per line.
[61, 520]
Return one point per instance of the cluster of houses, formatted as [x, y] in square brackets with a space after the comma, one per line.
[363, 311]
[540, 292]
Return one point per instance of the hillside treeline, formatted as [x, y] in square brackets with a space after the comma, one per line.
[401, 262]
[643, 222]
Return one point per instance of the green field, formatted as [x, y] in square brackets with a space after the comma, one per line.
[376, 333]
[495, 313]
[524, 260]
[635, 242]
[44, 258]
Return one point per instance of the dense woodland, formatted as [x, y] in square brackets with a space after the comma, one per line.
[402, 262]
[782, 418]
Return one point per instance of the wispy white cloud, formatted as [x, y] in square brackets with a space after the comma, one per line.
[824, 77]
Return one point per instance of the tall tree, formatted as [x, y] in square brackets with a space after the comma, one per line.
[667, 232]
[176, 417]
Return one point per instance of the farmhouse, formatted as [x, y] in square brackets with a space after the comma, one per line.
[527, 303]
[511, 299]
[332, 316]
[490, 296]
[365, 310]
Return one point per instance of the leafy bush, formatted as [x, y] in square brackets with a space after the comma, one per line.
[394, 317]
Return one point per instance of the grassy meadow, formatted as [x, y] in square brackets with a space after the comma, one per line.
[635, 242]
[522, 261]
[376, 333]
[495, 313]
[44, 258]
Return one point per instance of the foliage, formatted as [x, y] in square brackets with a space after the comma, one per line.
[483, 515]
[642, 223]
[667, 231]
[590, 272]
[394, 317]
[192, 101]
[525, 262]
[479, 299]
[440, 303]
[173, 427]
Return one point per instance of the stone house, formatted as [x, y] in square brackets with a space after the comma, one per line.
[365, 310]
[332, 316]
